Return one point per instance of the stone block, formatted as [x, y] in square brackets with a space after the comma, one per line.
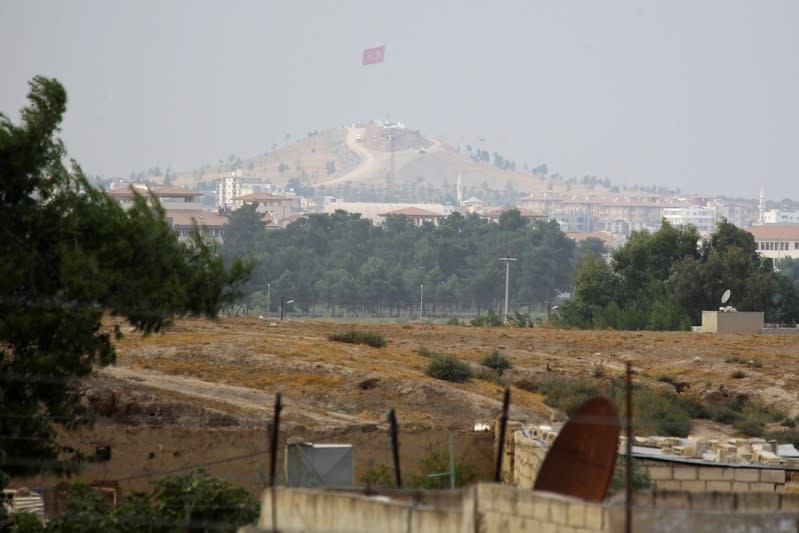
[541, 510]
[728, 474]
[740, 486]
[576, 516]
[714, 501]
[772, 476]
[558, 512]
[761, 502]
[595, 517]
[693, 486]
[686, 473]
[719, 486]
[761, 487]
[747, 474]
[789, 503]
[668, 485]
[659, 472]
[711, 473]
[672, 500]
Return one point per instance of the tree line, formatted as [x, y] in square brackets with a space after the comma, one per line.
[664, 280]
[341, 262]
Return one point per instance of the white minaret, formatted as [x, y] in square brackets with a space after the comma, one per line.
[460, 190]
[761, 207]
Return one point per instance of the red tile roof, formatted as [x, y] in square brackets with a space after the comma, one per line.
[263, 197]
[164, 192]
[526, 213]
[413, 212]
[775, 232]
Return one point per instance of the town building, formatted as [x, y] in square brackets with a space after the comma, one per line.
[231, 188]
[776, 241]
[704, 219]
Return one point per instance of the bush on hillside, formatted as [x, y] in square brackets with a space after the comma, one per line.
[359, 337]
[448, 368]
[497, 361]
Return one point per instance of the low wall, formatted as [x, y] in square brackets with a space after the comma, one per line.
[670, 475]
[480, 508]
[528, 454]
[488, 507]
[732, 322]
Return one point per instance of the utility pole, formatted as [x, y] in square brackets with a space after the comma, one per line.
[507, 261]
[268, 297]
[421, 301]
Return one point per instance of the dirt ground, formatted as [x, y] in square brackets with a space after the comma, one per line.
[236, 365]
[202, 393]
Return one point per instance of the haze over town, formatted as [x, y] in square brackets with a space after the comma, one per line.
[695, 96]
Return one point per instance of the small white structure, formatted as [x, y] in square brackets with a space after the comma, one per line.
[732, 322]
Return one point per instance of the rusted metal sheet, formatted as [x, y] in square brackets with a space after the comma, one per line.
[583, 456]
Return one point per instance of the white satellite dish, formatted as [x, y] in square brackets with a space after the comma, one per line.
[726, 296]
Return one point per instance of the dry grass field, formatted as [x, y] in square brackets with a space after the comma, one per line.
[238, 364]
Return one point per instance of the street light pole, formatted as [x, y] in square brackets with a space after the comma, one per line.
[268, 297]
[421, 301]
[507, 261]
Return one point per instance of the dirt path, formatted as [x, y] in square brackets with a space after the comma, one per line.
[253, 401]
[373, 163]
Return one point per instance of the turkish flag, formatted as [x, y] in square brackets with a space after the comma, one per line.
[374, 55]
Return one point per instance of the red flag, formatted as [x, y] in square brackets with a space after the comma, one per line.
[374, 55]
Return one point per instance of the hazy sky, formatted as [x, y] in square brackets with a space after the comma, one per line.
[700, 95]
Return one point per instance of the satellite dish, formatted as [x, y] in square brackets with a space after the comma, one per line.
[581, 460]
[726, 296]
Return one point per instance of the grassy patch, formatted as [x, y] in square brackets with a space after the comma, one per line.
[497, 362]
[492, 376]
[355, 336]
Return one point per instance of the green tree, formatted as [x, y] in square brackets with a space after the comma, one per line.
[68, 255]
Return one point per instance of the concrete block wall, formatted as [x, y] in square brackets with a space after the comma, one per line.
[501, 508]
[318, 510]
[497, 508]
[702, 478]
[528, 457]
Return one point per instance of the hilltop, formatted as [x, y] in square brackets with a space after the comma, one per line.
[362, 155]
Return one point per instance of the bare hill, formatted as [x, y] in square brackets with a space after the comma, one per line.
[372, 154]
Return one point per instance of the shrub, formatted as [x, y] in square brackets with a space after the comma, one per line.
[567, 395]
[654, 413]
[454, 322]
[732, 359]
[448, 368]
[379, 476]
[520, 320]
[666, 378]
[497, 361]
[755, 363]
[435, 463]
[641, 479]
[738, 374]
[359, 337]
[491, 319]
